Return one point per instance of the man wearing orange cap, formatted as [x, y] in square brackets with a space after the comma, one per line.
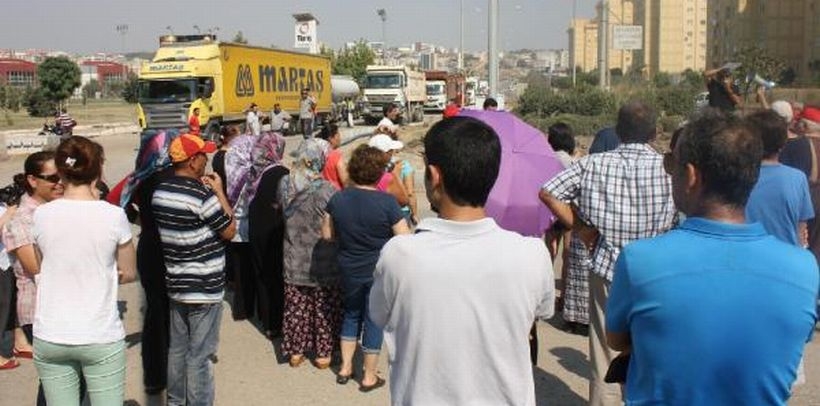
[194, 219]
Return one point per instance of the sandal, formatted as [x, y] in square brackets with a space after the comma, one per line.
[9, 364]
[379, 383]
[296, 360]
[322, 363]
[29, 354]
[342, 379]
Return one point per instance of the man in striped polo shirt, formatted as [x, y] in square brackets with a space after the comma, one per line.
[194, 219]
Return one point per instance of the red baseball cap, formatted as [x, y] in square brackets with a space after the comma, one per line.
[812, 113]
[186, 146]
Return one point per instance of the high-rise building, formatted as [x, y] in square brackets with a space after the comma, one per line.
[786, 29]
[583, 38]
[675, 35]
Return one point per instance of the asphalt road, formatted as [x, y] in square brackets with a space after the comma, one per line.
[250, 371]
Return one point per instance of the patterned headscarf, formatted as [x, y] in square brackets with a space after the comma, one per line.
[267, 153]
[238, 163]
[152, 157]
[305, 175]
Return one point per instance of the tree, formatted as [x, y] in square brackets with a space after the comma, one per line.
[353, 60]
[91, 88]
[239, 38]
[38, 104]
[59, 77]
[11, 98]
[130, 90]
[756, 60]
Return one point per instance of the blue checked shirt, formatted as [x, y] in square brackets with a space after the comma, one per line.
[624, 193]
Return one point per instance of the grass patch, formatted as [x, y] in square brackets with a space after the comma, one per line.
[93, 113]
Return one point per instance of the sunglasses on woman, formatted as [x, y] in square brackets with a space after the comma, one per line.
[55, 178]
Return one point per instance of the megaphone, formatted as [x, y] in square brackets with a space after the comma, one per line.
[757, 79]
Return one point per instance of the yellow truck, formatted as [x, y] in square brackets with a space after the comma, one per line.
[222, 79]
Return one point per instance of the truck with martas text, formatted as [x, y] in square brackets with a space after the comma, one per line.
[399, 85]
[223, 79]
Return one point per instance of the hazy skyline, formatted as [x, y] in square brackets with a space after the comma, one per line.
[84, 26]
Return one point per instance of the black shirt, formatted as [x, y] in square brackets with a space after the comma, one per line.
[797, 154]
[719, 97]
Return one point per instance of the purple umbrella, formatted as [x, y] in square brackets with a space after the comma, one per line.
[527, 162]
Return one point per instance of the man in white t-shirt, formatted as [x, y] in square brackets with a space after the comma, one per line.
[252, 120]
[279, 119]
[457, 299]
[388, 125]
[307, 106]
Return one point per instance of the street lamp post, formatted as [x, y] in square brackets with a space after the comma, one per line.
[493, 48]
[122, 29]
[383, 15]
[461, 40]
[603, 46]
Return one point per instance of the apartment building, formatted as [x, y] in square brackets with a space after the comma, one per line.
[786, 29]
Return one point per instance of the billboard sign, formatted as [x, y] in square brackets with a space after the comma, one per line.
[627, 37]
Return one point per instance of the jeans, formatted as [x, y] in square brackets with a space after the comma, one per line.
[357, 316]
[62, 366]
[307, 127]
[194, 339]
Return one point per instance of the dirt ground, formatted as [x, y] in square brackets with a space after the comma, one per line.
[251, 371]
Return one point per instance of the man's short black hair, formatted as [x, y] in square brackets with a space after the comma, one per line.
[388, 107]
[490, 102]
[726, 152]
[560, 137]
[636, 123]
[468, 154]
[772, 130]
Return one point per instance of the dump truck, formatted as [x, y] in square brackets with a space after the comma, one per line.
[441, 88]
[399, 85]
[222, 79]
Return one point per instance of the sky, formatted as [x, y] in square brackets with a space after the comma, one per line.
[83, 26]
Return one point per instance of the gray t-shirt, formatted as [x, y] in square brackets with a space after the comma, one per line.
[278, 120]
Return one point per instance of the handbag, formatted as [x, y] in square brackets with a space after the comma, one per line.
[618, 368]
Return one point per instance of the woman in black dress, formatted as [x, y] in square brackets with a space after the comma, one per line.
[266, 230]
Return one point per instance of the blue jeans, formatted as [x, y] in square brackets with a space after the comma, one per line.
[61, 368]
[194, 334]
[357, 316]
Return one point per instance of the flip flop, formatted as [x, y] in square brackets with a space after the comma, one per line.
[10, 364]
[23, 353]
[379, 383]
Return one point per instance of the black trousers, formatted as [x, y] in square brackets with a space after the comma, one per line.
[240, 259]
[155, 324]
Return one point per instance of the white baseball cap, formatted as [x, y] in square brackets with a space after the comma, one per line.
[384, 143]
[783, 109]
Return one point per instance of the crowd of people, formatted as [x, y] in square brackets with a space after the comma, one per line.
[676, 265]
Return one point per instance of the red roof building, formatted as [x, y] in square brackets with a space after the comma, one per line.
[17, 72]
[104, 71]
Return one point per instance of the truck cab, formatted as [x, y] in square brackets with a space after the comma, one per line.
[394, 84]
[436, 96]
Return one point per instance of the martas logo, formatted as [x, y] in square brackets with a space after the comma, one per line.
[244, 81]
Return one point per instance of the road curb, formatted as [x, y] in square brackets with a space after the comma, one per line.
[28, 141]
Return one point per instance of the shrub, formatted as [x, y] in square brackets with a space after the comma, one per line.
[38, 104]
[581, 125]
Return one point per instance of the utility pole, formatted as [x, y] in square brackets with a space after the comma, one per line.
[493, 48]
[603, 46]
[122, 29]
[574, 49]
[383, 15]
[461, 40]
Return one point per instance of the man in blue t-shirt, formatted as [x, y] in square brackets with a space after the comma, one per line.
[780, 200]
[716, 312]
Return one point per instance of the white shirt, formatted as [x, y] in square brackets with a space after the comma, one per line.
[388, 124]
[5, 260]
[278, 120]
[252, 123]
[77, 283]
[457, 301]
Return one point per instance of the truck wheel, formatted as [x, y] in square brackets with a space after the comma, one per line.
[211, 132]
[370, 120]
